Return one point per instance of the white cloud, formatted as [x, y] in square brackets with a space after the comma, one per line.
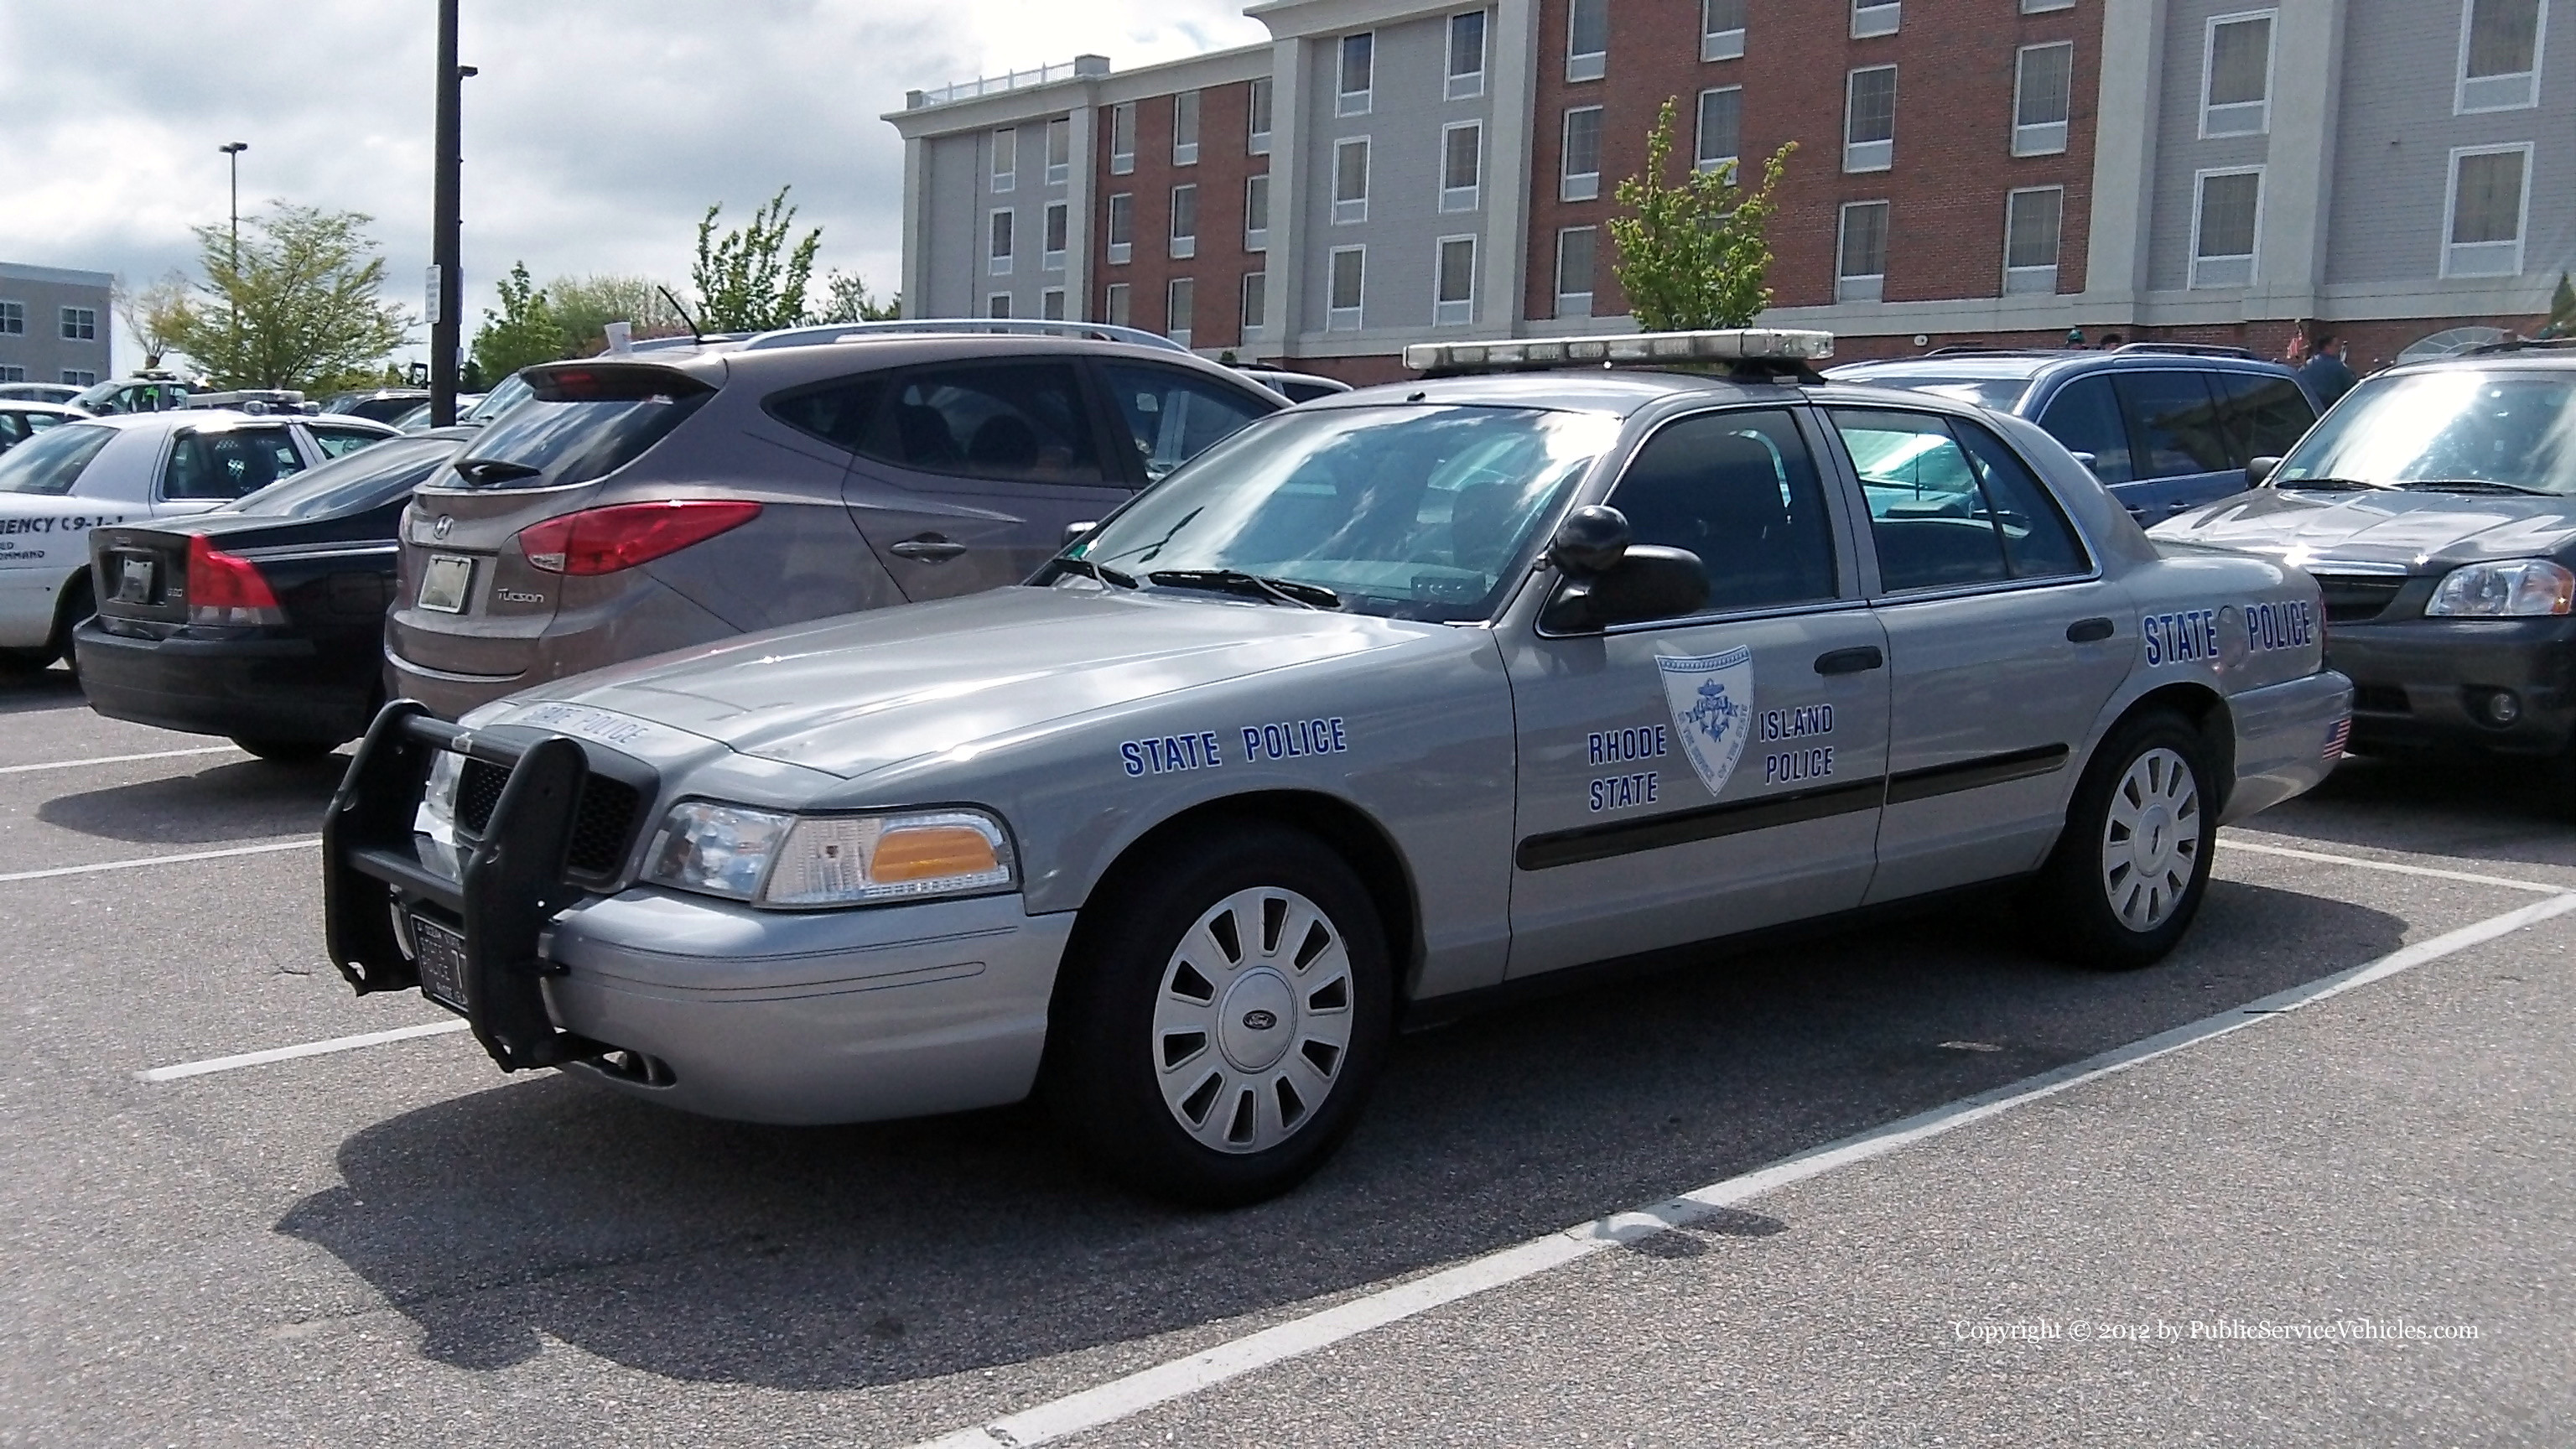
[596, 134]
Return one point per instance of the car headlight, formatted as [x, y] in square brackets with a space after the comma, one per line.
[774, 859]
[2523, 588]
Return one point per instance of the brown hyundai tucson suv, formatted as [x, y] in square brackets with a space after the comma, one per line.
[670, 498]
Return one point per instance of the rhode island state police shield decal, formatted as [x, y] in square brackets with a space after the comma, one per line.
[1712, 700]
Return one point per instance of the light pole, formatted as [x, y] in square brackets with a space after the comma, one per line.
[447, 281]
[232, 152]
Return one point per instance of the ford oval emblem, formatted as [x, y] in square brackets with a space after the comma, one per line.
[1259, 1020]
[445, 522]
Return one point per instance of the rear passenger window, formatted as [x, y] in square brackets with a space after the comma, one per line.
[839, 412]
[2086, 418]
[339, 442]
[1020, 422]
[1174, 416]
[2263, 413]
[1740, 490]
[226, 465]
[2038, 541]
[2174, 423]
[1950, 505]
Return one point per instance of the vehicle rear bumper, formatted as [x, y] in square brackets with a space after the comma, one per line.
[2288, 738]
[644, 617]
[282, 689]
[2426, 682]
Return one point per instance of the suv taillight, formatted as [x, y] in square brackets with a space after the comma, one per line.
[225, 588]
[622, 535]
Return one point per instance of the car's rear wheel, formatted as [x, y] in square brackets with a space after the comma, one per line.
[2129, 872]
[79, 605]
[1223, 1016]
[284, 752]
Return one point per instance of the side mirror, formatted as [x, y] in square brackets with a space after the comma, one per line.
[2258, 471]
[1590, 541]
[1076, 532]
[1649, 581]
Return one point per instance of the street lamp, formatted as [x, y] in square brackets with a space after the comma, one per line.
[446, 280]
[232, 152]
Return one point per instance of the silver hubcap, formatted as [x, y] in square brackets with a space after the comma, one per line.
[1253, 1020]
[2151, 843]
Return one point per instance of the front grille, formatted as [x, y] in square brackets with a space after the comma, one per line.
[602, 823]
[2357, 598]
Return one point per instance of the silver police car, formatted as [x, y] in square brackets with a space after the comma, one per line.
[1405, 694]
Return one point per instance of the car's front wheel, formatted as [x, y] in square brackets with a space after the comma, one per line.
[2129, 872]
[1223, 1016]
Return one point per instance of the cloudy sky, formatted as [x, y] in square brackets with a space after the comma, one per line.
[597, 133]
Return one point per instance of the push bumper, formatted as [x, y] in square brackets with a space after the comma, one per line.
[2430, 682]
[2288, 738]
[248, 688]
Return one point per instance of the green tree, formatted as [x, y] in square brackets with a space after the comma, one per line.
[584, 306]
[155, 313]
[846, 298]
[525, 330]
[2562, 309]
[1693, 255]
[747, 280]
[298, 307]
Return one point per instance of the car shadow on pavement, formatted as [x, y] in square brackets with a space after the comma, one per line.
[26, 690]
[847, 1257]
[245, 800]
[2459, 805]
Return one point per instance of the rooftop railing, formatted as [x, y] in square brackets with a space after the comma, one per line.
[1081, 66]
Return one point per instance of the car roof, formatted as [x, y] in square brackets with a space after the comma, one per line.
[1619, 392]
[202, 419]
[38, 405]
[2509, 357]
[811, 361]
[2034, 362]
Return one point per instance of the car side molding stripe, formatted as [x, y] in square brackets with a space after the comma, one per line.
[1975, 774]
[1706, 822]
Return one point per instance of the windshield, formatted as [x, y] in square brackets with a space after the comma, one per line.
[2455, 425]
[1415, 512]
[365, 479]
[51, 462]
[1999, 393]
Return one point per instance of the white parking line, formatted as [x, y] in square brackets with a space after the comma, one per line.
[180, 859]
[2392, 866]
[289, 1053]
[1125, 1397]
[119, 759]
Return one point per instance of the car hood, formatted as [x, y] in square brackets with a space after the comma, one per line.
[2417, 530]
[961, 676]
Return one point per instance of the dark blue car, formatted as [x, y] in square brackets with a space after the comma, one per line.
[2167, 426]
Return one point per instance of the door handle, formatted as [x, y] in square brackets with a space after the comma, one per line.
[2088, 631]
[929, 548]
[1850, 661]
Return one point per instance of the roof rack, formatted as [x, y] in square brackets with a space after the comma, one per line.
[2186, 349]
[853, 331]
[2519, 344]
[1975, 349]
[1754, 351]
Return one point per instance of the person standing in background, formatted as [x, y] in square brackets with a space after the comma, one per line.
[2325, 372]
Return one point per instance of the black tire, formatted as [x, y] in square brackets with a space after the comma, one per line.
[286, 752]
[27, 661]
[79, 605]
[1119, 1033]
[2091, 912]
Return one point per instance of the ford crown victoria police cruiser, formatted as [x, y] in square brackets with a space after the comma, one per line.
[1405, 694]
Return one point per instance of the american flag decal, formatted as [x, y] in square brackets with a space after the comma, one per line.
[2338, 737]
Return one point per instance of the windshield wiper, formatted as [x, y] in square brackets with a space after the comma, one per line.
[488, 471]
[1236, 581]
[2326, 485]
[2472, 485]
[1105, 575]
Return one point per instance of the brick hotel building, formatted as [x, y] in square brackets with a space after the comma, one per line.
[1967, 171]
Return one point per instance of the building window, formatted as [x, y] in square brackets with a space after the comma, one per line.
[11, 372]
[1256, 304]
[1346, 275]
[1051, 304]
[1359, 66]
[1256, 213]
[1052, 255]
[1122, 228]
[1860, 270]
[2032, 220]
[1185, 221]
[1869, 119]
[1179, 299]
[2226, 217]
[1059, 151]
[1721, 127]
[1185, 129]
[1462, 165]
[1000, 250]
[1454, 296]
[1576, 247]
[13, 319]
[1122, 138]
[75, 377]
[1257, 142]
[2042, 7]
[998, 305]
[2043, 91]
[1580, 177]
[80, 324]
[2490, 193]
[1350, 180]
[1466, 56]
[2500, 54]
[1587, 39]
[1875, 17]
[2236, 76]
[1113, 305]
[1006, 159]
[1721, 29]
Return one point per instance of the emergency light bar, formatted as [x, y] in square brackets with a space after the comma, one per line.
[1733, 344]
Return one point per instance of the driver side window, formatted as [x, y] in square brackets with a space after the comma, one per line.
[1740, 490]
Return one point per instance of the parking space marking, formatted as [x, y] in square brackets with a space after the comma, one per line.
[2288, 853]
[181, 858]
[119, 759]
[1145, 1389]
[289, 1053]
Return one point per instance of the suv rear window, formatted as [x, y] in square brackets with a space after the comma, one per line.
[581, 424]
[51, 462]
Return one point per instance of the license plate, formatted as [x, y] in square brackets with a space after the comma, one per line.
[441, 959]
[444, 584]
[134, 581]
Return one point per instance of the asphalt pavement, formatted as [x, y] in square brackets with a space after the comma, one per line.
[2336, 1218]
